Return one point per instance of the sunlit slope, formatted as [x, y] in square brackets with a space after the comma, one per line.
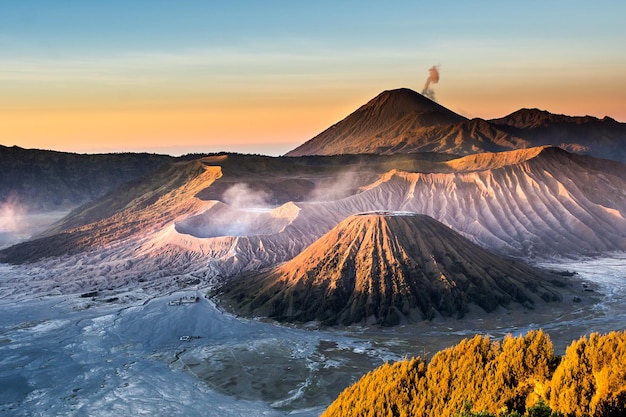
[402, 121]
[505, 378]
[137, 209]
[540, 202]
[387, 267]
[552, 203]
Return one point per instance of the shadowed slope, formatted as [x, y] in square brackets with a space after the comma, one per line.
[602, 138]
[41, 180]
[383, 267]
[380, 126]
[137, 209]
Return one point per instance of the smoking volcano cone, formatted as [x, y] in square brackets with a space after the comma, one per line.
[387, 268]
[389, 120]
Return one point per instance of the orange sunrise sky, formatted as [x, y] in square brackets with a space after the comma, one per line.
[264, 77]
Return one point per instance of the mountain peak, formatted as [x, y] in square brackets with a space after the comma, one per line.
[405, 100]
[381, 125]
[383, 267]
[535, 118]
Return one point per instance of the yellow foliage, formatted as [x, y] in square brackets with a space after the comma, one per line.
[386, 391]
[493, 376]
[591, 374]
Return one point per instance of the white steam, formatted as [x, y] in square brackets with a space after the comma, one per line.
[11, 216]
[341, 186]
[243, 197]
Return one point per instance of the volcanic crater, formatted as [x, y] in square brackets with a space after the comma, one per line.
[388, 267]
[224, 220]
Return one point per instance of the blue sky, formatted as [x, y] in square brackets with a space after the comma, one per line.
[195, 75]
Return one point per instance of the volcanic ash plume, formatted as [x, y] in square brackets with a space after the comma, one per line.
[432, 78]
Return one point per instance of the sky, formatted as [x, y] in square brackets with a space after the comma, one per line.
[265, 76]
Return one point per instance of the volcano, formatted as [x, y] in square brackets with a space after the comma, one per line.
[404, 121]
[383, 125]
[388, 267]
[537, 202]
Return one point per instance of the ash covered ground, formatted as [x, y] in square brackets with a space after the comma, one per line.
[98, 354]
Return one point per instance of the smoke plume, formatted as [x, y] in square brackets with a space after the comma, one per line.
[243, 197]
[340, 186]
[433, 78]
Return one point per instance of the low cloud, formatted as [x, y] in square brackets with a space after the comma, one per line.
[242, 196]
[343, 185]
[11, 216]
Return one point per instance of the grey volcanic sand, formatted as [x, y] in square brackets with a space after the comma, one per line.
[294, 374]
[58, 357]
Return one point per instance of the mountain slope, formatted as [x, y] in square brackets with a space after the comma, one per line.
[380, 125]
[40, 180]
[540, 202]
[385, 266]
[602, 138]
[136, 210]
[140, 208]
[537, 202]
[469, 137]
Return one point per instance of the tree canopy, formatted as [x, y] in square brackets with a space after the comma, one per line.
[511, 377]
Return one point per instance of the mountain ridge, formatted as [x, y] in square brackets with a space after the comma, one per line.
[602, 138]
[43, 180]
[398, 111]
[402, 120]
[531, 202]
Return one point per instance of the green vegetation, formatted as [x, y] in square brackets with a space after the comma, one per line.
[479, 377]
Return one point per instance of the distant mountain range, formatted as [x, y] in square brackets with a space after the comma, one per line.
[396, 121]
[40, 180]
[401, 121]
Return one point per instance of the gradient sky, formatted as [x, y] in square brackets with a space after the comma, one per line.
[265, 76]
